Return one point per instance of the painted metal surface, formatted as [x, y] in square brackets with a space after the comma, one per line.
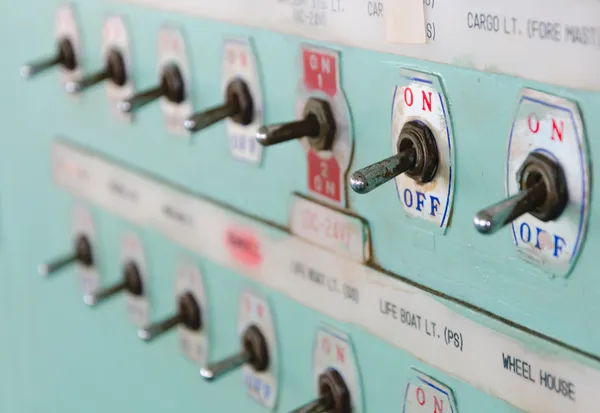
[59, 356]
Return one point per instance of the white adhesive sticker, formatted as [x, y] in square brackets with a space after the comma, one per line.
[83, 225]
[557, 43]
[193, 344]
[240, 62]
[421, 99]
[407, 317]
[66, 28]
[329, 228]
[138, 306]
[261, 386]
[423, 394]
[115, 38]
[404, 21]
[333, 350]
[552, 127]
[172, 50]
[327, 169]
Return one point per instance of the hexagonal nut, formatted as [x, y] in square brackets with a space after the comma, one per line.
[422, 139]
[173, 83]
[116, 67]
[327, 127]
[331, 385]
[237, 90]
[540, 166]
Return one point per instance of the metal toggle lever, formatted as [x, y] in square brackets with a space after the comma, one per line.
[543, 194]
[417, 157]
[65, 57]
[171, 86]
[317, 124]
[334, 396]
[114, 71]
[238, 106]
[131, 282]
[254, 352]
[82, 254]
[188, 314]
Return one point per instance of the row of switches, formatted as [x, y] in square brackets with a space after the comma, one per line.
[541, 179]
[318, 123]
[333, 397]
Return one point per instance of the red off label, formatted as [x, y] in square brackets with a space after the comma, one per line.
[243, 246]
[320, 71]
[324, 176]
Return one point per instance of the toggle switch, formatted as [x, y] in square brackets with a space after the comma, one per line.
[334, 396]
[171, 86]
[417, 157]
[188, 314]
[255, 352]
[543, 194]
[65, 57]
[318, 125]
[82, 254]
[114, 70]
[131, 282]
[238, 106]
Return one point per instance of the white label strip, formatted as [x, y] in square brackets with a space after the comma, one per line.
[534, 378]
[329, 228]
[551, 41]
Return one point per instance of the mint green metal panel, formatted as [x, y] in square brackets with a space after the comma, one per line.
[58, 356]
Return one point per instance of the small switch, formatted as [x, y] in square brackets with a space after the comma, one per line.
[318, 125]
[238, 106]
[334, 396]
[82, 254]
[188, 314]
[131, 282]
[417, 157]
[543, 194]
[114, 70]
[171, 87]
[254, 352]
[65, 57]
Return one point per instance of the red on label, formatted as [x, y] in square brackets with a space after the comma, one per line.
[421, 396]
[320, 71]
[558, 128]
[432, 404]
[243, 246]
[533, 123]
[232, 57]
[326, 345]
[324, 176]
[340, 353]
[260, 310]
[426, 97]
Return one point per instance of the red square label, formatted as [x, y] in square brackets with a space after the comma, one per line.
[324, 176]
[320, 71]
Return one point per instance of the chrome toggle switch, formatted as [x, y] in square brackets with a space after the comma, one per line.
[334, 396]
[318, 125]
[255, 352]
[131, 282]
[171, 86]
[238, 106]
[543, 194]
[114, 71]
[417, 157]
[82, 253]
[188, 314]
[65, 57]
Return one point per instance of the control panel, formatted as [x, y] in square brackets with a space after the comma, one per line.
[300, 206]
